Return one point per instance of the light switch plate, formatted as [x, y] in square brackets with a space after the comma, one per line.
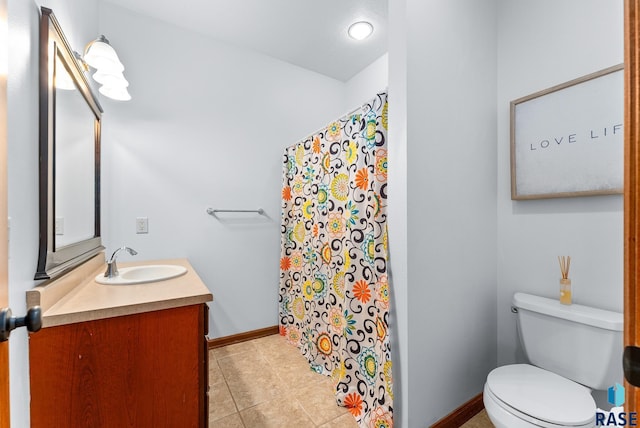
[59, 225]
[142, 225]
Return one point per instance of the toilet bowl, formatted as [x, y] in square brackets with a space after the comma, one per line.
[524, 396]
[571, 349]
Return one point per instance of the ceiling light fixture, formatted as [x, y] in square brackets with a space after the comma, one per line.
[360, 30]
[101, 56]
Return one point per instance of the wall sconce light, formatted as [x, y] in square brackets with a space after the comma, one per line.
[103, 58]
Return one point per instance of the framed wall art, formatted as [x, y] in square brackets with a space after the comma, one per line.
[568, 140]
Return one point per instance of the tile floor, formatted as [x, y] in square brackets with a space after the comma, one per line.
[266, 383]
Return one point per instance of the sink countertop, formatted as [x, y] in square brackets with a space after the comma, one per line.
[77, 297]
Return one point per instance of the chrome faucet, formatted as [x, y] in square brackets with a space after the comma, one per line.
[112, 268]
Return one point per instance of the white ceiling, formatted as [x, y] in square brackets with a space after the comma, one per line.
[308, 33]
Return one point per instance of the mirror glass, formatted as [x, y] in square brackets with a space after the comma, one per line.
[70, 118]
[74, 162]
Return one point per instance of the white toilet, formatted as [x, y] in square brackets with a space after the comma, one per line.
[572, 349]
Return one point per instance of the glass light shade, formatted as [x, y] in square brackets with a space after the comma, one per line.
[115, 80]
[100, 55]
[360, 30]
[119, 94]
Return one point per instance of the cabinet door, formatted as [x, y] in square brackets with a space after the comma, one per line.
[204, 367]
[143, 370]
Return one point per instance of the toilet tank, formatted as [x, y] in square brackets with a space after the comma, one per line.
[577, 342]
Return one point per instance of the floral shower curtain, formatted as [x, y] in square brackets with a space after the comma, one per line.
[334, 293]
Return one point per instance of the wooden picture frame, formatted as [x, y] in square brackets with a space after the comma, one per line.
[568, 140]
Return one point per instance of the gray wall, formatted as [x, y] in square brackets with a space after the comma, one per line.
[459, 246]
[449, 251]
[79, 18]
[397, 210]
[361, 87]
[207, 127]
[541, 44]
[465, 247]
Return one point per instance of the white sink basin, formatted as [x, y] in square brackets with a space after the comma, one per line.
[142, 274]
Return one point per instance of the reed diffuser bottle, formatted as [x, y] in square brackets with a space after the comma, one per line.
[565, 282]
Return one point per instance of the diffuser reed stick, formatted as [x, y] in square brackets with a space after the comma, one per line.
[565, 265]
[565, 282]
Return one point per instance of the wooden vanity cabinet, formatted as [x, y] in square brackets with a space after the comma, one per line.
[142, 370]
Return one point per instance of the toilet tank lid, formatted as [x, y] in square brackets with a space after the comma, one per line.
[601, 318]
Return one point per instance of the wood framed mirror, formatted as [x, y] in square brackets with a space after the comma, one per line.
[69, 170]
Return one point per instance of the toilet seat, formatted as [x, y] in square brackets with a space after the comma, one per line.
[540, 397]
